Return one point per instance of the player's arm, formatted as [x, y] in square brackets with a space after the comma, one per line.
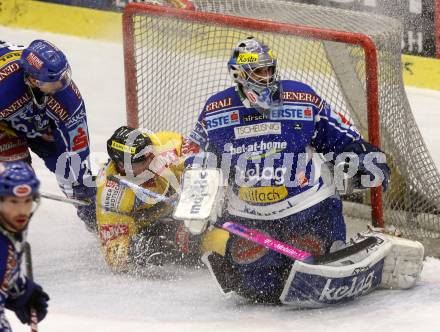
[342, 143]
[70, 132]
[200, 151]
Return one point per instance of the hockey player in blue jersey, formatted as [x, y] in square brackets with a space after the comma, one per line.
[271, 136]
[41, 107]
[19, 195]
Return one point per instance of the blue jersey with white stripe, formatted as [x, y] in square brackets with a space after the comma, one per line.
[59, 126]
[274, 159]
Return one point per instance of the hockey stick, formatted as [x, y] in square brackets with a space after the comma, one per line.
[29, 272]
[267, 241]
[63, 199]
[234, 228]
[143, 193]
[292, 252]
[259, 237]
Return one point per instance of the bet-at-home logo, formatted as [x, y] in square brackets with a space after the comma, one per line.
[257, 147]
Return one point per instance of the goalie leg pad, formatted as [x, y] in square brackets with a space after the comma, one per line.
[315, 286]
[403, 265]
[391, 262]
[221, 271]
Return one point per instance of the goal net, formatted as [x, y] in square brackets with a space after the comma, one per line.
[175, 59]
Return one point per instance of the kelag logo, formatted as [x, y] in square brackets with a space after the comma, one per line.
[301, 113]
[222, 120]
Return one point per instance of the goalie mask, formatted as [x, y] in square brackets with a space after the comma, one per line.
[253, 67]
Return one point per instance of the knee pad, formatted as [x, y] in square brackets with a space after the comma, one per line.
[262, 272]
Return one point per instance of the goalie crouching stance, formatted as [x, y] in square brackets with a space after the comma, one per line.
[274, 134]
[135, 233]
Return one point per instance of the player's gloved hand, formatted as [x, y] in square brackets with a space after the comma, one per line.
[83, 192]
[146, 217]
[151, 250]
[34, 297]
[383, 172]
[362, 149]
[86, 213]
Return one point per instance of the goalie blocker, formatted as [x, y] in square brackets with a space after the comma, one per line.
[391, 262]
[200, 200]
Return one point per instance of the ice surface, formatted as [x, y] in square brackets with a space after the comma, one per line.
[86, 296]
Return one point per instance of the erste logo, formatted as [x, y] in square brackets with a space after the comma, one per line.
[222, 120]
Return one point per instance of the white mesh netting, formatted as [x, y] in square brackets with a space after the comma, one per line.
[179, 63]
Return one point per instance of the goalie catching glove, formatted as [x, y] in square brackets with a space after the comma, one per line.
[362, 166]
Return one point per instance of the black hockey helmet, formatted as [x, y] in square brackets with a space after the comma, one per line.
[128, 141]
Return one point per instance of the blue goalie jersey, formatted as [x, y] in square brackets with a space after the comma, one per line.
[274, 160]
[58, 126]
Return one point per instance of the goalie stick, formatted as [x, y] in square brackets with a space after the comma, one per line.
[29, 272]
[291, 251]
[260, 238]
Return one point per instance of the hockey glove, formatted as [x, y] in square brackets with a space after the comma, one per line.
[370, 167]
[383, 173]
[146, 217]
[33, 298]
[83, 192]
[86, 213]
[153, 250]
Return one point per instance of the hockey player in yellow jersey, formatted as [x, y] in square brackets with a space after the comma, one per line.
[132, 232]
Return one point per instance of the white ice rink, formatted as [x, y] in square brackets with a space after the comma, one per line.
[85, 296]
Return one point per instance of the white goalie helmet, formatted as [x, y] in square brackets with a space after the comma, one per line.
[253, 66]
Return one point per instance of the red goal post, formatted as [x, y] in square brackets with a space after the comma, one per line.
[258, 25]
